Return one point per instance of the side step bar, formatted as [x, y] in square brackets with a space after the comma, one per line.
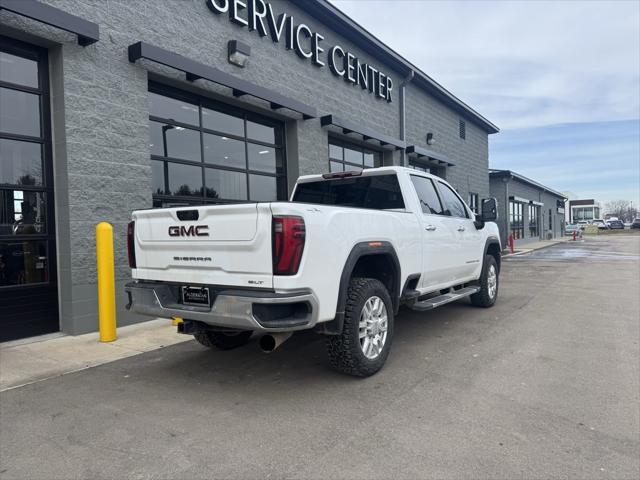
[435, 302]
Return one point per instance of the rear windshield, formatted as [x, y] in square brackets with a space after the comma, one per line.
[378, 192]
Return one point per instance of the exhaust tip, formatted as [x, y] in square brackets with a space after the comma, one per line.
[269, 342]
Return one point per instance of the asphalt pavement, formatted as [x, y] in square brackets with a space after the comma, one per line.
[544, 385]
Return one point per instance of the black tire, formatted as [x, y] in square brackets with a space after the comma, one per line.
[484, 298]
[345, 352]
[223, 341]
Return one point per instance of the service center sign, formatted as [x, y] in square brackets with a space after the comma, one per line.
[259, 16]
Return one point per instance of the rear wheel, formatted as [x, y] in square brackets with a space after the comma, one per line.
[223, 341]
[363, 346]
[488, 293]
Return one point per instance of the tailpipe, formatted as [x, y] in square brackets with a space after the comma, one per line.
[269, 342]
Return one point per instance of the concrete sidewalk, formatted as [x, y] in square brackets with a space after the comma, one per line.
[23, 362]
[531, 246]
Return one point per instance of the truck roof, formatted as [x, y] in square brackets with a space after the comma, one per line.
[366, 172]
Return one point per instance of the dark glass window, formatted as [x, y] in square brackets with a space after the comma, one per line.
[20, 162]
[261, 133]
[175, 142]
[534, 220]
[27, 235]
[22, 212]
[516, 222]
[474, 198]
[174, 110]
[23, 262]
[379, 192]
[419, 167]
[224, 151]
[206, 152]
[426, 191]
[222, 122]
[345, 156]
[452, 203]
[226, 184]
[19, 112]
[262, 188]
[18, 70]
[157, 177]
[184, 180]
[262, 158]
[336, 166]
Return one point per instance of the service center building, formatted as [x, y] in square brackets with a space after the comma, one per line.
[112, 106]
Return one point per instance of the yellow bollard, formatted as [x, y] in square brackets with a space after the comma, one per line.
[106, 282]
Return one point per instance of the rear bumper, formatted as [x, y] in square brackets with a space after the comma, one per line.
[234, 309]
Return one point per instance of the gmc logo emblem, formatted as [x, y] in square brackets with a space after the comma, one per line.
[192, 231]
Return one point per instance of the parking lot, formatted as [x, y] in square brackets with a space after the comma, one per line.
[543, 385]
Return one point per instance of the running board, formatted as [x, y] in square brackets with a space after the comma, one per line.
[435, 302]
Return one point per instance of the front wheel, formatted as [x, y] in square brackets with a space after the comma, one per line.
[223, 341]
[363, 346]
[488, 293]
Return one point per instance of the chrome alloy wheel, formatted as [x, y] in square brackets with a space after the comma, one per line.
[492, 281]
[373, 327]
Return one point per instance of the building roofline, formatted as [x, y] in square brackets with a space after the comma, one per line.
[329, 14]
[493, 172]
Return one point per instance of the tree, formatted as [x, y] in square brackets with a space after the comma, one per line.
[623, 209]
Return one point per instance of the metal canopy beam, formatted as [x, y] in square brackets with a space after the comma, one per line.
[436, 157]
[195, 70]
[348, 127]
[87, 32]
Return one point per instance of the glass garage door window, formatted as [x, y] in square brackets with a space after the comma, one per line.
[28, 287]
[348, 156]
[207, 152]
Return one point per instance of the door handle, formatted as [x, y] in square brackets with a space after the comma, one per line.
[430, 228]
[461, 228]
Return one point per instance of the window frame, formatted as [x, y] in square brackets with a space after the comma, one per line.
[534, 214]
[516, 219]
[339, 142]
[247, 116]
[48, 236]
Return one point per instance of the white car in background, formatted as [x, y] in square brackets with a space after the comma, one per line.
[602, 225]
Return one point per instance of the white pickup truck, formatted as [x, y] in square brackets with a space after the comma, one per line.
[340, 257]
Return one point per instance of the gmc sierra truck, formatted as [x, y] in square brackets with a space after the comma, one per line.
[340, 257]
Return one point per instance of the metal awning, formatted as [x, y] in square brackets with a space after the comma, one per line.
[367, 134]
[431, 157]
[195, 71]
[87, 32]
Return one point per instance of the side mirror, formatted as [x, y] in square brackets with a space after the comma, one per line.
[489, 210]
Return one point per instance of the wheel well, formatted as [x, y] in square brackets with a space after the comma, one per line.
[494, 251]
[381, 267]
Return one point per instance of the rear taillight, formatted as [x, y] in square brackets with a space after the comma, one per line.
[287, 244]
[131, 246]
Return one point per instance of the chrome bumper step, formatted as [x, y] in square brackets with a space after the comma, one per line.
[435, 302]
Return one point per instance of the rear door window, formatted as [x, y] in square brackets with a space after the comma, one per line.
[426, 191]
[378, 192]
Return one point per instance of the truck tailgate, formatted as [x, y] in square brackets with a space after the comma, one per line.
[228, 245]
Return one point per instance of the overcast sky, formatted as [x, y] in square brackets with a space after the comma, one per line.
[560, 78]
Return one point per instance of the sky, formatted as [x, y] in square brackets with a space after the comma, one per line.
[560, 78]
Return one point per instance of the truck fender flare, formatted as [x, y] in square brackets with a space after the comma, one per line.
[334, 327]
[493, 240]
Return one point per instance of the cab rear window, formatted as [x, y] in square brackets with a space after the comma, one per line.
[377, 192]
